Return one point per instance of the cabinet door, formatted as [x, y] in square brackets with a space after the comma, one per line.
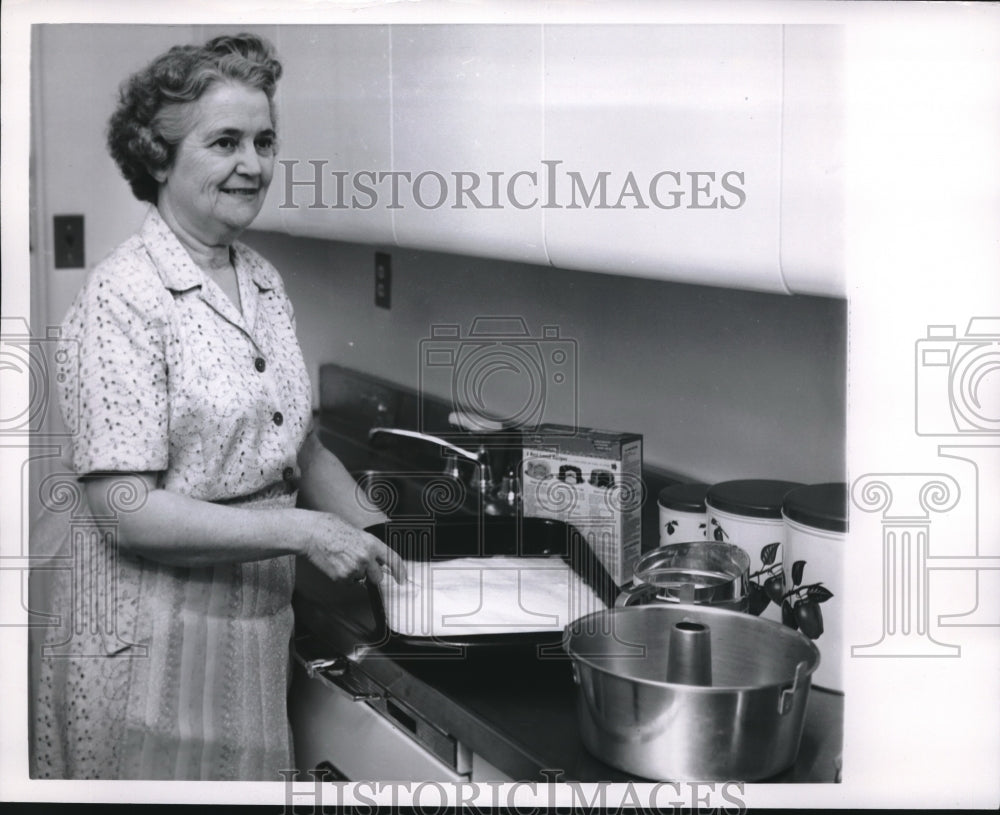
[333, 131]
[644, 102]
[467, 106]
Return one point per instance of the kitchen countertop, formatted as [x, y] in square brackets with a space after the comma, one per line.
[514, 709]
[540, 718]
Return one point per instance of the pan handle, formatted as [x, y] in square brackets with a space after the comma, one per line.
[379, 635]
[635, 595]
[787, 698]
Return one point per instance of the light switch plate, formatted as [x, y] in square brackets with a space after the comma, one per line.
[67, 234]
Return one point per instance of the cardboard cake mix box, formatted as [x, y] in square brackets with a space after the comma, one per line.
[591, 479]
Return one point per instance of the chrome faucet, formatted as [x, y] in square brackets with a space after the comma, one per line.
[416, 434]
[494, 502]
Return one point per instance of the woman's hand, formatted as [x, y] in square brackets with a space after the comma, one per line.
[343, 552]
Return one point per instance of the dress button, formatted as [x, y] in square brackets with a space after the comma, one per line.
[287, 473]
[259, 364]
[278, 418]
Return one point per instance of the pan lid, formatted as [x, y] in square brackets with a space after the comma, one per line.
[754, 497]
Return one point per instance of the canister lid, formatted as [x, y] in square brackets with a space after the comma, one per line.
[754, 497]
[821, 506]
[684, 497]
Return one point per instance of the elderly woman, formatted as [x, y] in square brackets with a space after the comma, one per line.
[191, 383]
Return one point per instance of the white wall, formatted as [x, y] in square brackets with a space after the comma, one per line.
[74, 173]
[722, 383]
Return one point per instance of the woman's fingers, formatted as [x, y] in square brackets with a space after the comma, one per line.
[374, 571]
[394, 564]
[345, 552]
[383, 560]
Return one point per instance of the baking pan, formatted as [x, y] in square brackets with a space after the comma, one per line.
[530, 539]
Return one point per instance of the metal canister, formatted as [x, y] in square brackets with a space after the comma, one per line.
[815, 536]
[747, 513]
[682, 513]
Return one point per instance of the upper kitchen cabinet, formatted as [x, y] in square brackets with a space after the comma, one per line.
[669, 143]
[334, 133]
[812, 160]
[707, 154]
[467, 127]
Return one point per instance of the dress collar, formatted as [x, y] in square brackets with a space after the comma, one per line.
[176, 267]
[180, 273]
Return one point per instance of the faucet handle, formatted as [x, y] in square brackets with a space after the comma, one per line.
[509, 491]
[503, 500]
[451, 468]
[483, 478]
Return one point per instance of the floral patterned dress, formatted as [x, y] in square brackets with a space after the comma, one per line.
[158, 671]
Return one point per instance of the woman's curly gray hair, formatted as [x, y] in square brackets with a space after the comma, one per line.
[149, 122]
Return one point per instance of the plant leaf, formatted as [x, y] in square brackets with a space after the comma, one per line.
[819, 593]
[769, 552]
[798, 567]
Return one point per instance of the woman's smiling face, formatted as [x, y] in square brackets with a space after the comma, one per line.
[223, 166]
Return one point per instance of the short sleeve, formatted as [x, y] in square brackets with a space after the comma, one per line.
[114, 392]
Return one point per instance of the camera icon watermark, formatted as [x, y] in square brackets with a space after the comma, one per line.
[958, 380]
[38, 364]
[957, 396]
[499, 374]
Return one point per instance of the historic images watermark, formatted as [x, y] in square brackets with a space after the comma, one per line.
[544, 187]
[90, 619]
[527, 797]
[67, 544]
[957, 396]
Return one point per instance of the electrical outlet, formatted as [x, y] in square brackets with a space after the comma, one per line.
[67, 234]
[383, 279]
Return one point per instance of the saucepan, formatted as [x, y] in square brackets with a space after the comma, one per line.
[703, 572]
